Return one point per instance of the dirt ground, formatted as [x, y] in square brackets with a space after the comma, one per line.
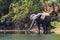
[55, 30]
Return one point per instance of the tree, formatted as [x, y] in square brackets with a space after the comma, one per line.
[12, 10]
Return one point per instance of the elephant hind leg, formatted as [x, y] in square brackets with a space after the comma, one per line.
[44, 28]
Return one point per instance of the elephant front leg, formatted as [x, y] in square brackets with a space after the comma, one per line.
[38, 25]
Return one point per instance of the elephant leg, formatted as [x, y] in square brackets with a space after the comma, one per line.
[49, 28]
[44, 28]
[38, 25]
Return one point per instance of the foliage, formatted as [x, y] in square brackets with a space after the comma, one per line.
[19, 8]
[11, 10]
[55, 24]
[4, 9]
[57, 1]
[24, 7]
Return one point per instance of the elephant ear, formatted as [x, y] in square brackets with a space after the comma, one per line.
[32, 16]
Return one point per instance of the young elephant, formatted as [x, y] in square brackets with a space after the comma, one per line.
[41, 18]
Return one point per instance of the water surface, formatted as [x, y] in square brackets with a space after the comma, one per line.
[29, 37]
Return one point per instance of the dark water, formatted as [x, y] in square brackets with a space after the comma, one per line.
[29, 37]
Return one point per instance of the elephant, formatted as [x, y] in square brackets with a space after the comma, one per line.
[45, 18]
[40, 18]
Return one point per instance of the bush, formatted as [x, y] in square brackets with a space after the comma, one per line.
[55, 24]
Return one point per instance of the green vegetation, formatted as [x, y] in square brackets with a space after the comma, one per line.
[55, 24]
[14, 14]
[17, 10]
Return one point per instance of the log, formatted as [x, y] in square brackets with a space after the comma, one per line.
[13, 30]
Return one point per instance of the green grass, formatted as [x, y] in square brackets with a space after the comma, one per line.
[29, 37]
[55, 24]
